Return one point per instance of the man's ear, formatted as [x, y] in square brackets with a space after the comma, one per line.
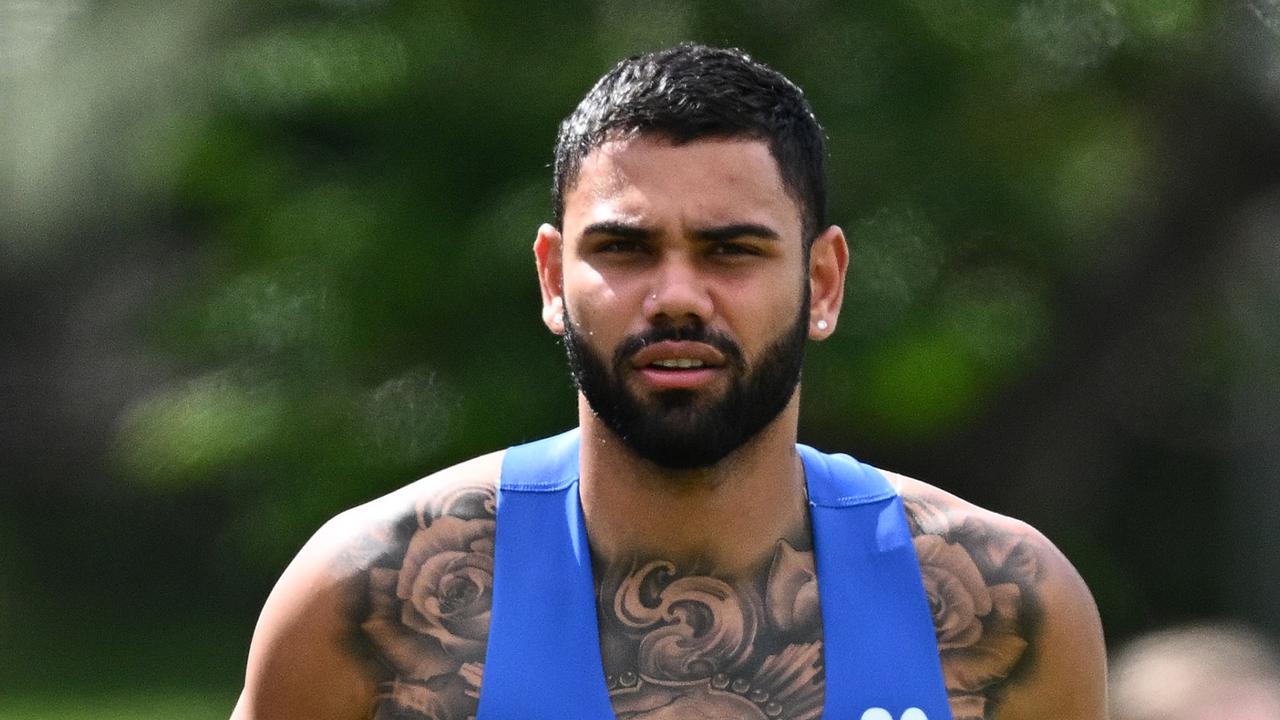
[828, 265]
[548, 251]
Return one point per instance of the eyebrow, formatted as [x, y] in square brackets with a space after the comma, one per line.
[722, 233]
[719, 233]
[614, 228]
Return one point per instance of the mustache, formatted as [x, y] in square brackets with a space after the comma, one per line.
[690, 333]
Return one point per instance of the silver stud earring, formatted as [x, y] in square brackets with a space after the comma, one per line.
[822, 325]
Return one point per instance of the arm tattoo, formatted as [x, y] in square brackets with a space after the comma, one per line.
[981, 584]
[426, 615]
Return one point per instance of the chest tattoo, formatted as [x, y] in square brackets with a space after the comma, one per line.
[680, 643]
[679, 640]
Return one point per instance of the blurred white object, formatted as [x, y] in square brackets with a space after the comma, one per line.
[1204, 672]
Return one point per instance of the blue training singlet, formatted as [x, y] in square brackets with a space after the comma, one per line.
[543, 660]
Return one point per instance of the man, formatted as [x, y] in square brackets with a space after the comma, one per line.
[679, 555]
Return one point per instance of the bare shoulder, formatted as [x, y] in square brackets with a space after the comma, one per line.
[1018, 631]
[384, 608]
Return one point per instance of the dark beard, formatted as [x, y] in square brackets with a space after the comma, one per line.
[679, 430]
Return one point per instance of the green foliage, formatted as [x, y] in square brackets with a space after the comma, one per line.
[367, 180]
[351, 190]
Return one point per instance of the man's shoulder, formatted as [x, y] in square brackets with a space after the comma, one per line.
[363, 536]
[383, 597]
[1017, 627]
[997, 543]
[932, 511]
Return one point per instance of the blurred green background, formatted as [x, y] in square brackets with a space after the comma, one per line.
[262, 261]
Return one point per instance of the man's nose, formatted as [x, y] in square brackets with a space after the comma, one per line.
[678, 293]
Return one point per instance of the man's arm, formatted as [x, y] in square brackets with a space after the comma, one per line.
[301, 663]
[1065, 673]
[1018, 632]
[384, 612]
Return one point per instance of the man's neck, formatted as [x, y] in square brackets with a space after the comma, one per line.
[727, 518]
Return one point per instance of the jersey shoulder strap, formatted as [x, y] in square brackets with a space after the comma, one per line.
[880, 650]
[543, 655]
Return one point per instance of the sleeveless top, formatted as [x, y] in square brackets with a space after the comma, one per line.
[543, 660]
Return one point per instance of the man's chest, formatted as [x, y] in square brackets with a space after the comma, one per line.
[663, 638]
[684, 642]
[674, 641]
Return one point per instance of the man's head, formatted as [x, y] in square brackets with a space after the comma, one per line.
[692, 92]
[689, 263]
[1197, 672]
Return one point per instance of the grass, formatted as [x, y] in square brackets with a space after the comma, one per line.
[137, 704]
[60, 665]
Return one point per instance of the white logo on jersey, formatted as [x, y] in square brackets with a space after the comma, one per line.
[876, 713]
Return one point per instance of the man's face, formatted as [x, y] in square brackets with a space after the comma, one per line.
[685, 291]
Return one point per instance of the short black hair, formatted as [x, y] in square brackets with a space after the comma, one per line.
[689, 92]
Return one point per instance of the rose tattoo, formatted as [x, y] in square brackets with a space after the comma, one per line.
[978, 582]
[428, 620]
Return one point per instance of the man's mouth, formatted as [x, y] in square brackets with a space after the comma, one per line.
[677, 363]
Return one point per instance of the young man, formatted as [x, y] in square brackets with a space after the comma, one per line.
[678, 555]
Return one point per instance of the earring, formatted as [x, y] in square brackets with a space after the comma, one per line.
[822, 325]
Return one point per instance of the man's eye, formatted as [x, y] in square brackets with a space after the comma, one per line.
[619, 246]
[732, 248]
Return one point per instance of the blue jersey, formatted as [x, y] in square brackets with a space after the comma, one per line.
[543, 659]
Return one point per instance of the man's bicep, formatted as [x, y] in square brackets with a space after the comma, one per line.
[1018, 632]
[303, 662]
[1066, 673]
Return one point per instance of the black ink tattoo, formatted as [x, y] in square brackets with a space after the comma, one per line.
[981, 584]
[428, 609]
[678, 640]
[681, 643]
